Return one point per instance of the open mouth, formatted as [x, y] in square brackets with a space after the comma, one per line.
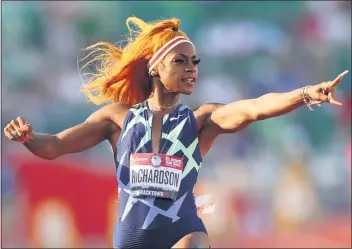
[189, 80]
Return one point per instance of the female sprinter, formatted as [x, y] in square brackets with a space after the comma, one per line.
[158, 143]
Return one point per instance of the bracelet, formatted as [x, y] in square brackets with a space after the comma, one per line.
[24, 140]
[306, 98]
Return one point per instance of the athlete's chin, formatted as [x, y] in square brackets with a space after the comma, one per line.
[188, 89]
[187, 92]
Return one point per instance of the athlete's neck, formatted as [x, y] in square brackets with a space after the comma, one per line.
[162, 99]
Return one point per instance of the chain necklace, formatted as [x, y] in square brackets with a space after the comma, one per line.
[162, 107]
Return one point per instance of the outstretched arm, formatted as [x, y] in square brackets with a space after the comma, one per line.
[237, 115]
[98, 127]
[75, 139]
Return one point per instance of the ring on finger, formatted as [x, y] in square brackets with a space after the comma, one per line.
[15, 134]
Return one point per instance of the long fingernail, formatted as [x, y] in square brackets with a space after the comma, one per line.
[342, 74]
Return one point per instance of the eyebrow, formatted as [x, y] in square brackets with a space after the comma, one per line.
[194, 56]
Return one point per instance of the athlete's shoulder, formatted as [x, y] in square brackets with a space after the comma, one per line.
[116, 112]
[119, 106]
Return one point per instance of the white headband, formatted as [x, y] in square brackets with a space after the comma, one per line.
[160, 54]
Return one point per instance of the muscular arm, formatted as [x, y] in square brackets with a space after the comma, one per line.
[215, 119]
[98, 127]
[237, 115]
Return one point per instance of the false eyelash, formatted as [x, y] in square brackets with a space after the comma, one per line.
[196, 62]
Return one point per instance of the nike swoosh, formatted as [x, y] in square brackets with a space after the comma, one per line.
[174, 118]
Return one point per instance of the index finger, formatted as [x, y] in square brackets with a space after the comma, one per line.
[338, 79]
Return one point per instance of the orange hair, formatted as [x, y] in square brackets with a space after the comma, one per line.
[122, 74]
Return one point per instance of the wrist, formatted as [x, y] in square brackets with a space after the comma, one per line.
[307, 100]
[29, 138]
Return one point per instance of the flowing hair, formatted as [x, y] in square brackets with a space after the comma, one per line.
[122, 74]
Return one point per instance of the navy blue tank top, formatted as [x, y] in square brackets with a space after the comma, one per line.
[179, 138]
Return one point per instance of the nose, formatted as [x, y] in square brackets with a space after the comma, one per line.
[190, 70]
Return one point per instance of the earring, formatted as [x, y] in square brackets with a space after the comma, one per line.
[153, 73]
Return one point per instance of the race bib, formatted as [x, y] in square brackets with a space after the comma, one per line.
[155, 175]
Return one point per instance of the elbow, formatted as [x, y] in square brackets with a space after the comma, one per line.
[51, 152]
[260, 116]
[48, 156]
[256, 112]
[253, 112]
[253, 116]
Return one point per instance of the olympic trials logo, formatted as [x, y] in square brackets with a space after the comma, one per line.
[155, 161]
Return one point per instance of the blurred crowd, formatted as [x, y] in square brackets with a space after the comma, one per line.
[278, 175]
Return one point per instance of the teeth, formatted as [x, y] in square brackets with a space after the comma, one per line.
[189, 80]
